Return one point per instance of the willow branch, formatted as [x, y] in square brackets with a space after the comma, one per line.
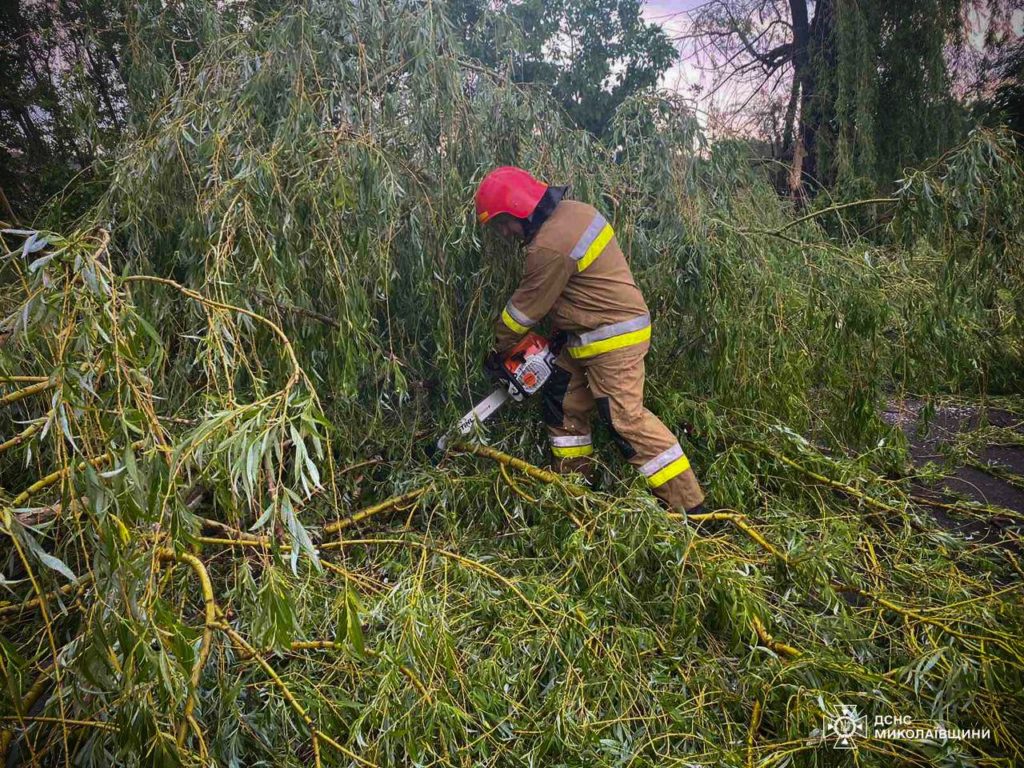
[755, 723]
[334, 645]
[835, 484]
[297, 372]
[27, 702]
[740, 522]
[301, 311]
[466, 561]
[210, 605]
[769, 642]
[17, 607]
[54, 477]
[832, 209]
[293, 702]
[21, 394]
[523, 466]
[23, 379]
[376, 509]
[20, 438]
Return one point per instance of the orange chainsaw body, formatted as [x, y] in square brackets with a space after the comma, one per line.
[529, 364]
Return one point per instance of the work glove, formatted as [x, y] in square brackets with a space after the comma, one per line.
[493, 368]
[558, 340]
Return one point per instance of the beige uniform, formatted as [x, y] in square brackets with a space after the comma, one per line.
[576, 273]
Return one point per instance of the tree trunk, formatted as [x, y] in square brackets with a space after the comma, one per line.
[812, 48]
[797, 191]
[33, 136]
[803, 74]
[782, 184]
[5, 209]
[98, 78]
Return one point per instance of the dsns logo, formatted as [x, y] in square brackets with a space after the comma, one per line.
[843, 726]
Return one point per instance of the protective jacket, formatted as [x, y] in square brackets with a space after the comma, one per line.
[576, 274]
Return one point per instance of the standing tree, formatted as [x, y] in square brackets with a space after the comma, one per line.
[591, 54]
[62, 99]
[865, 88]
[1001, 86]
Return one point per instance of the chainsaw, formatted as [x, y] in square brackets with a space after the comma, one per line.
[522, 372]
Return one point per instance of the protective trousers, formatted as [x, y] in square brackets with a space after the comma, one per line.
[614, 383]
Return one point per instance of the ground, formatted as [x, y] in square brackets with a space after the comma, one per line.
[937, 438]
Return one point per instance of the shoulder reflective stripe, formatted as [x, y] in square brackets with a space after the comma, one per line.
[661, 460]
[662, 476]
[596, 248]
[593, 240]
[572, 451]
[569, 441]
[614, 329]
[589, 235]
[520, 317]
[510, 322]
[615, 342]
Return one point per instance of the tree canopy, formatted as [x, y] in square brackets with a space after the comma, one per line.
[591, 54]
[69, 66]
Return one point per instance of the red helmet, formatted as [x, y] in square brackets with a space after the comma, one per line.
[508, 190]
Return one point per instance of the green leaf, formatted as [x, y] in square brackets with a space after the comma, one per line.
[50, 561]
[353, 627]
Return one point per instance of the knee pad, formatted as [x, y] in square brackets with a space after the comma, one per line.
[604, 410]
[553, 397]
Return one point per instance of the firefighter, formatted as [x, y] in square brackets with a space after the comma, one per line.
[576, 274]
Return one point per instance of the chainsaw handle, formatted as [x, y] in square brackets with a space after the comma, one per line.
[558, 340]
[495, 370]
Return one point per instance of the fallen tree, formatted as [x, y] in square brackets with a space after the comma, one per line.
[221, 541]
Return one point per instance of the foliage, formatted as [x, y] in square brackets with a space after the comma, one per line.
[593, 55]
[293, 294]
[83, 74]
[889, 72]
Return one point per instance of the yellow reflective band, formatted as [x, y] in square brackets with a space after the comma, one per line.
[615, 342]
[595, 248]
[666, 473]
[511, 322]
[569, 452]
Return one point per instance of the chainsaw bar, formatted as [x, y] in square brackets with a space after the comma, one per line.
[480, 413]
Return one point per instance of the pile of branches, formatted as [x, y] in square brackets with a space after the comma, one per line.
[221, 543]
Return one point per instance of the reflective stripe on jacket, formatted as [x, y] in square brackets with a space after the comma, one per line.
[613, 336]
[576, 273]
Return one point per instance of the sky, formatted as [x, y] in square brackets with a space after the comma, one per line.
[671, 14]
